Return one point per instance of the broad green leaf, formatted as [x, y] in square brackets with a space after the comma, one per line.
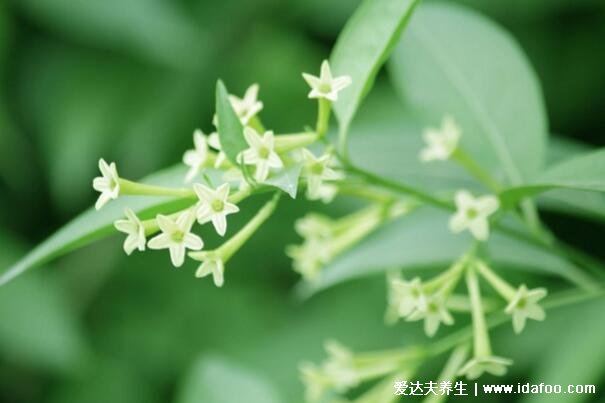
[570, 357]
[421, 240]
[92, 225]
[386, 139]
[216, 380]
[452, 61]
[584, 172]
[286, 180]
[230, 129]
[363, 46]
[580, 203]
[38, 327]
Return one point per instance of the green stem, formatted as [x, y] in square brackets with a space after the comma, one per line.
[130, 188]
[289, 142]
[398, 187]
[481, 342]
[561, 299]
[498, 283]
[577, 278]
[228, 249]
[467, 162]
[450, 370]
[323, 116]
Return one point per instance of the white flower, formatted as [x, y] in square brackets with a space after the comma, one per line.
[314, 226]
[176, 236]
[246, 108]
[441, 143]
[260, 153]
[316, 249]
[214, 141]
[214, 206]
[196, 157]
[326, 86]
[406, 296]
[134, 230]
[309, 257]
[474, 368]
[212, 264]
[108, 184]
[525, 305]
[316, 383]
[339, 366]
[317, 170]
[434, 313]
[472, 214]
[327, 192]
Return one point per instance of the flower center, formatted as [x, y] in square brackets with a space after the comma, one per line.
[432, 307]
[522, 303]
[325, 88]
[472, 213]
[317, 168]
[217, 205]
[264, 152]
[177, 236]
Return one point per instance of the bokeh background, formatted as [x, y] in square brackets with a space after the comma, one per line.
[129, 80]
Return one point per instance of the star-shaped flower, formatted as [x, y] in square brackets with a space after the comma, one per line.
[261, 153]
[317, 170]
[315, 226]
[214, 206]
[524, 305]
[246, 108]
[309, 257]
[473, 213]
[434, 313]
[212, 264]
[406, 296]
[108, 184]
[214, 141]
[316, 383]
[474, 368]
[325, 86]
[134, 230]
[196, 157]
[441, 143]
[339, 366]
[176, 236]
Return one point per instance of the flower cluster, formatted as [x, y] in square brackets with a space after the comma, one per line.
[344, 370]
[215, 184]
[325, 238]
[218, 179]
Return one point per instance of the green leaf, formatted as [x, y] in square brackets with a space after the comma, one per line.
[286, 179]
[586, 204]
[584, 172]
[422, 240]
[216, 380]
[362, 47]
[92, 225]
[230, 129]
[569, 358]
[386, 139]
[38, 326]
[453, 61]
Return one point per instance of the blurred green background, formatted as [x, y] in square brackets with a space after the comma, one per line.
[129, 80]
